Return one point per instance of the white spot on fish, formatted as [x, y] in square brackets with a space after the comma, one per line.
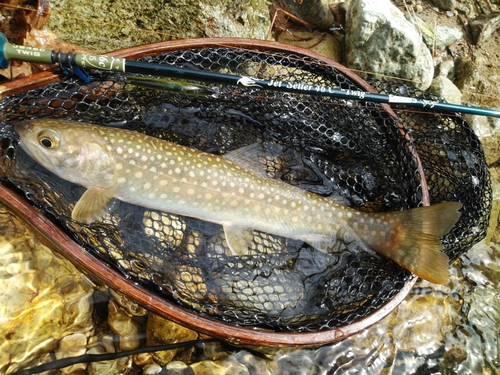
[147, 185]
[121, 180]
[138, 174]
[119, 166]
[119, 150]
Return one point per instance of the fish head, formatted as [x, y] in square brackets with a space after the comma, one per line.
[74, 151]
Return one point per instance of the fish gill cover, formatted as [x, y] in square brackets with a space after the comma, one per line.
[352, 151]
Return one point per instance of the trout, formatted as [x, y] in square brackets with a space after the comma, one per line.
[228, 190]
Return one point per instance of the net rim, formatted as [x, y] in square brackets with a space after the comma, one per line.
[56, 239]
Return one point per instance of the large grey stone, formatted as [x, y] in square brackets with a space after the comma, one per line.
[379, 39]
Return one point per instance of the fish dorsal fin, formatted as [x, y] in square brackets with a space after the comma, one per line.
[251, 157]
[93, 204]
[238, 238]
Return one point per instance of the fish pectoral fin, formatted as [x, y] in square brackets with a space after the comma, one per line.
[93, 204]
[238, 238]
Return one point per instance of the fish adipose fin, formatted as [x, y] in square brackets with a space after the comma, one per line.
[238, 239]
[93, 204]
[415, 241]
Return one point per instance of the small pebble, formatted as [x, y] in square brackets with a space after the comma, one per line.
[150, 369]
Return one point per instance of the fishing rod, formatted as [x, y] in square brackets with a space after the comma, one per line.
[70, 62]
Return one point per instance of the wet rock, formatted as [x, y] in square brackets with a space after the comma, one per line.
[379, 39]
[151, 369]
[227, 367]
[160, 331]
[72, 346]
[122, 324]
[44, 298]
[142, 359]
[178, 368]
[483, 27]
[322, 43]
[114, 366]
[446, 90]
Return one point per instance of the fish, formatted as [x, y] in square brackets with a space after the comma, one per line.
[229, 190]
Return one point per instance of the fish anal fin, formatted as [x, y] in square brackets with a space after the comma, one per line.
[238, 238]
[93, 204]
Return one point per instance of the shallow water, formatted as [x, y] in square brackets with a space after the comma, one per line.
[450, 329]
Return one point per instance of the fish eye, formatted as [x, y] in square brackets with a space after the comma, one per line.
[48, 139]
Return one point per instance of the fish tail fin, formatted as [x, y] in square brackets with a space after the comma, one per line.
[414, 240]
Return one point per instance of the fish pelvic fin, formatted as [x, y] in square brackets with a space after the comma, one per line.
[238, 238]
[415, 240]
[93, 204]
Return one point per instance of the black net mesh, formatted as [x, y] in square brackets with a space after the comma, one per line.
[352, 151]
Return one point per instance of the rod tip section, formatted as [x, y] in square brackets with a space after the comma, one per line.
[4, 63]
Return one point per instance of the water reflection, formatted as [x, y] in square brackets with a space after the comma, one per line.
[45, 314]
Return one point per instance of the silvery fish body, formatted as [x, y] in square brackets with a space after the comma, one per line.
[228, 190]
